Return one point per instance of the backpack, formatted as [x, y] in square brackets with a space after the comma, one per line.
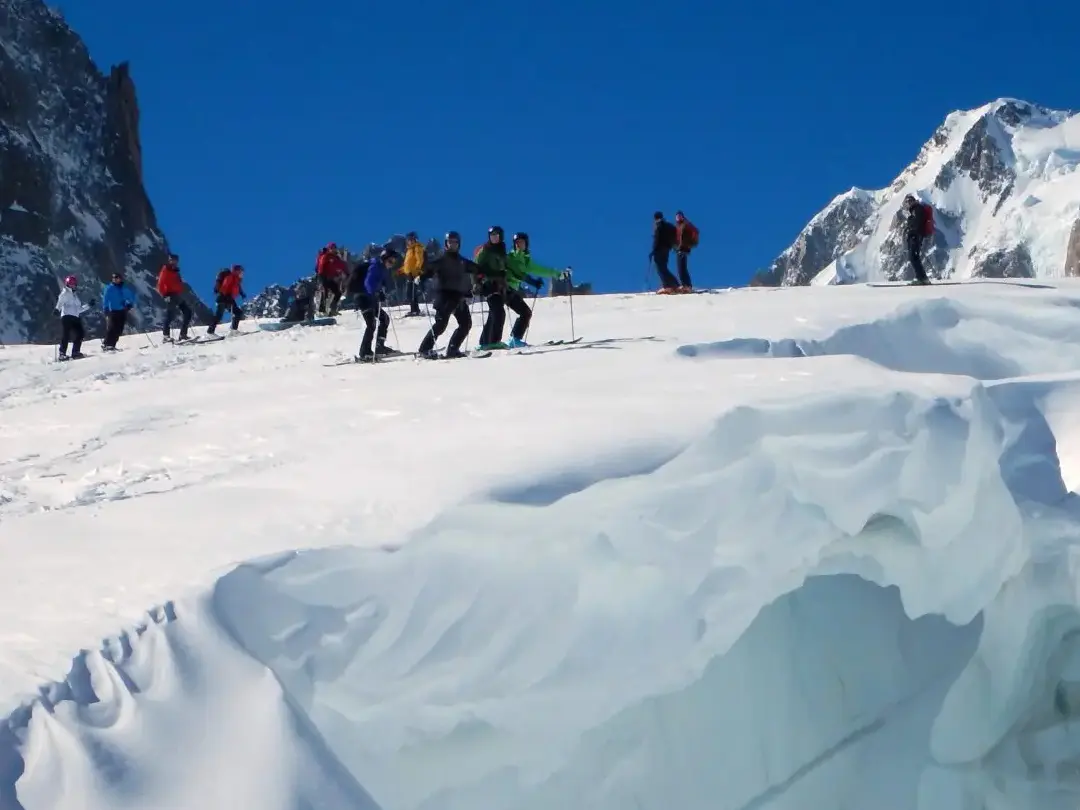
[220, 278]
[928, 221]
[691, 232]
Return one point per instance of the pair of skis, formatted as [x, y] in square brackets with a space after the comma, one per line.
[479, 354]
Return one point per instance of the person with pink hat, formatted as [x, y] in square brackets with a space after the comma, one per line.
[70, 309]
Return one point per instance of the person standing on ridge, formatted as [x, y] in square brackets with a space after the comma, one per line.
[116, 302]
[413, 267]
[170, 287]
[491, 280]
[521, 269]
[918, 225]
[453, 275]
[70, 309]
[663, 240]
[369, 303]
[686, 239]
[229, 285]
[330, 267]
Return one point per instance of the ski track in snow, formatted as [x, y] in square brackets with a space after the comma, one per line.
[798, 550]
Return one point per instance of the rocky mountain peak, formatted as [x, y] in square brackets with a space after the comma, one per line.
[72, 199]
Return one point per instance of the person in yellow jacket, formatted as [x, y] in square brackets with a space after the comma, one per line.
[413, 267]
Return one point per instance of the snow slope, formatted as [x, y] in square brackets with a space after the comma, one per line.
[764, 548]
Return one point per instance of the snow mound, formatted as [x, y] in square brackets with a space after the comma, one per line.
[855, 588]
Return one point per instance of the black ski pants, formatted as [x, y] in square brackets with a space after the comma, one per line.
[914, 247]
[71, 329]
[115, 321]
[496, 319]
[371, 311]
[174, 303]
[331, 288]
[660, 257]
[224, 302]
[448, 303]
[682, 258]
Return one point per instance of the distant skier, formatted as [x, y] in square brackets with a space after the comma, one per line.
[116, 302]
[664, 239]
[918, 226]
[521, 269]
[491, 285]
[330, 268]
[686, 239]
[70, 309]
[453, 275]
[413, 267]
[301, 304]
[170, 287]
[228, 287]
[369, 302]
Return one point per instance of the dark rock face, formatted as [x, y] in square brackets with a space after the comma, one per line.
[975, 233]
[72, 199]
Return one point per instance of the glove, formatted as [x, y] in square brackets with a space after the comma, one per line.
[532, 281]
[565, 274]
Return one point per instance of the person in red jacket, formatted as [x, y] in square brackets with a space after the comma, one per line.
[330, 268]
[229, 287]
[686, 239]
[171, 287]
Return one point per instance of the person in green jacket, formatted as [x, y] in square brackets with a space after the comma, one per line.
[521, 269]
[491, 285]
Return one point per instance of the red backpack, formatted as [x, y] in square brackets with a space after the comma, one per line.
[222, 274]
[691, 231]
[928, 221]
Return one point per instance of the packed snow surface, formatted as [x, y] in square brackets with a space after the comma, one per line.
[772, 549]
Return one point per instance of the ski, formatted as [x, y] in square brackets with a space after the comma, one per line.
[473, 355]
[560, 342]
[353, 361]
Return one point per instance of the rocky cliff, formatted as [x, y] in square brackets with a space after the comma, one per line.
[1004, 180]
[72, 199]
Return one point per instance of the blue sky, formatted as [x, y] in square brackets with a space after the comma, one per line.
[270, 127]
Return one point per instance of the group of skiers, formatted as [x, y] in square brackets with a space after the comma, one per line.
[494, 274]
[682, 237]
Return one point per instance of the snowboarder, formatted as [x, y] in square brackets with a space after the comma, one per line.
[491, 285]
[170, 287]
[70, 309]
[413, 267]
[330, 267]
[116, 302]
[686, 239]
[664, 239]
[369, 302]
[521, 269]
[453, 275]
[918, 225]
[229, 285]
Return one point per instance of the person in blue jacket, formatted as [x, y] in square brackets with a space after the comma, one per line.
[116, 302]
[369, 301]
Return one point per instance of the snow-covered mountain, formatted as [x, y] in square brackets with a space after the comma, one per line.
[72, 199]
[843, 574]
[1005, 186]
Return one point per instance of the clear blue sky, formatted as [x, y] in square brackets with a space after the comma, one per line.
[270, 127]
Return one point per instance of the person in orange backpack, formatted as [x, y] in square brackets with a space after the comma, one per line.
[330, 268]
[229, 285]
[170, 287]
[411, 269]
[686, 239]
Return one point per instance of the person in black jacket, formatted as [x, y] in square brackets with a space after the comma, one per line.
[453, 275]
[663, 240]
[915, 216]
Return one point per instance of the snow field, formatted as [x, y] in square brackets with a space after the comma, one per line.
[756, 549]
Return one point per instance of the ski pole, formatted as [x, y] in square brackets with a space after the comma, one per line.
[570, 292]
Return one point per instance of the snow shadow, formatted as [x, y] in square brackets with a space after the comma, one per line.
[939, 336]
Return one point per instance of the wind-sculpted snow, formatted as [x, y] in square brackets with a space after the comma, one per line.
[854, 585]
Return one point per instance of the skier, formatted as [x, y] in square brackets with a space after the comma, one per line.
[116, 301]
[370, 302]
[229, 285]
[330, 267]
[453, 275]
[521, 269]
[664, 239]
[491, 284]
[686, 239]
[70, 309]
[170, 287]
[413, 267]
[300, 305]
[918, 225]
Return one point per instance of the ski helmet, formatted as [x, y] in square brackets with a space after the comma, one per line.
[388, 253]
[71, 281]
[497, 229]
[522, 235]
[452, 236]
[412, 237]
